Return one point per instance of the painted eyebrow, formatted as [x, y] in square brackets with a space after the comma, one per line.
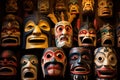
[100, 52]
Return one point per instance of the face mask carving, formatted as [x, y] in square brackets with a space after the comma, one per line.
[60, 5]
[87, 5]
[80, 61]
[73, 7]
[105, 8]
[10, 33]
[11, 6]
[118, 35]
[87, 35]
[29, 64]
[63, 34]
[43, 6]
[107, 36]
[8, 63]
[53, 62]
[36, 33]
[105, 63]
[28, 5]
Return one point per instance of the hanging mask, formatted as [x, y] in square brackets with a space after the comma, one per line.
[80, 60]
[73, 7]
[105, 63]
[118, 35]
[107, 35]
[10, 32]
[105, 8]
[43, 6]
[29, 64]
[11, 6]
[36, 32]
[63, 34]
[60, 5]
[87, 5]
[87, 35]
[53, 62]
[28, 5]
[8, 63]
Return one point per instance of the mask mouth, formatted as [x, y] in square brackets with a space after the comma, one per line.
[28, 75]
[106, 73]
[64, 38]
[37, 40]
[9, 40]
[107, 42]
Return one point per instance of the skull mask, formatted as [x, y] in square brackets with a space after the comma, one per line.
[10, 33]
[8, 63]
[53, 62]
[87, 35]
[29, 64]
[105, 8]
[105, 63]
[63, 34]
[80, 60]
[36, 32]
[107, 36]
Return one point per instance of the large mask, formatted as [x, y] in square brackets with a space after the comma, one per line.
[11, 6]
[87, 5]
[53, 62]
[80, 60]
[43, 6]
[107, 35]
[118, 35]
[87, 35]
[63, 34]
[36, 32]
[29, 67]
[105, 8]
[8, 63]
[28, 5]
[105, 61]
[10, 32]
[73, 7]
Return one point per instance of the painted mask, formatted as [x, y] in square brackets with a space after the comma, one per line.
[118, 35]
[29, 64]
[73, 7]
[87, 5]
[36, 32]
[60, 5]
[107, 35]
[53, 62]
[105, 8]
[10, 32]
[63, 34]
[105, 63]
[28, 5]
[87, 35]
[80, 60]
[43, 6]
[11, 6]
[8, 63]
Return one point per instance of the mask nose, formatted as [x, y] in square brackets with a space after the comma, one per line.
[37, 31]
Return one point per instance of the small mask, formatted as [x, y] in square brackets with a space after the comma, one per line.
[87, 35]
[73, 7]
[43, 6]
[105, 63]
[28, 5]
[88, 5]
[8, 63]
[11, 6]
[107, 35]
[80, 60]
[63, 34]
[118, 35]
[10, 33]
[36, 32]
[53, 62]
[29, 64]
[105, 8]
[60, 5]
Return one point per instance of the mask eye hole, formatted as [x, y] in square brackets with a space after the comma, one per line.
[59, 55]
[48, 55]
[74, 57]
